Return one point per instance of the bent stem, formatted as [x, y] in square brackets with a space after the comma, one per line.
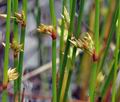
[53, 19]
[6, 56]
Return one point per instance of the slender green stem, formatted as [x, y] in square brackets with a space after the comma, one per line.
[116, 57]
[74, 49]
[52, 12]
[96, 27]
[70, 1]
[21, 58]
[6, 56]
[96, 37]
[54, 89]
[15, 23]
[62, 37]
[15, 9]
[92, 82]
[67, 47]
[66, 75]
[22, 41]
[53, 19]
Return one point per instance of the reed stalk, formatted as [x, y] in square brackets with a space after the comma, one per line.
[70, 5]
[53, 20]
[66, 74]
[21, 55]
[6, 56]
[72, 14]
[62, 36]
[116, 56]
[96, 37]
[15, 30]
[77, 34]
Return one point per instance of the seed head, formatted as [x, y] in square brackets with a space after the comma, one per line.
[66, 18]
[20, 18]
[16, 47]
[85, 43]
[12, 74]
[48, 29]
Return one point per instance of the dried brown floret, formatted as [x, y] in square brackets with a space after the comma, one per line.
[85, 43]
[48, 29]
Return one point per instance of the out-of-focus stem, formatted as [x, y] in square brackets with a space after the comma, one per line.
[116, 57]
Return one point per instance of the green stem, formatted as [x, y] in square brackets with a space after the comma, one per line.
[15, 82]
[15, 9]
[71, 1]
[15, 23]
[92, 82]
[52, 12]
[77, 34]
[54, 89]
[67, 47]
[53, 19]
[96, 37]
[22, 41]
[62, 37]
[116, 57]
[6, 57]
[97, 11]
[66, 75]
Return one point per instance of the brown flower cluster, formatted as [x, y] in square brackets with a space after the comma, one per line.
[48, 29]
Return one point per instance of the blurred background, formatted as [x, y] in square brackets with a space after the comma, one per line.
[36, 79]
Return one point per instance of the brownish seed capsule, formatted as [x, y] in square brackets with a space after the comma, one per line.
[48, 29]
